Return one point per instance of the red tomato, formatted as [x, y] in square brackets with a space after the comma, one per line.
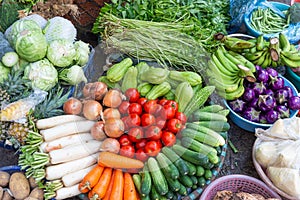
[135, 108]
[142, 101]
[181, 116]
[127, 151]
[174, 125]
[152, 148]
[163, 101]
[135, 134]
[150, 106]
[141, 155]
[124, 140]
[168, 138]
[132, 95]
[153, 133]
[159, 144]
[160, 122]
[147, 119]
[135, 120]
[169, 111]
[141, 143]
[160, 111]
[123, 108]
[173, 104]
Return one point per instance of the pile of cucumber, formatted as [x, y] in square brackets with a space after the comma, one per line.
[188, 164]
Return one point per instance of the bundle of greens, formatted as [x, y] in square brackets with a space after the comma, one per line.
[152, 41]
[206, 16]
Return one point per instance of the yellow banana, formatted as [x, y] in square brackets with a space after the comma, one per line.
[235, 94]
[260, 43]
[238, 44]
[220, 66]
[222, 86]
[261, 59]
[274, 63]
[290, 63]
[266, 63]
[225, 62]
[254, 56]
[291, 56]
[241, 59]
[284, 42]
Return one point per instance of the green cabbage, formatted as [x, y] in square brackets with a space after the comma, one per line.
[42, 74]
[4, 71]
[61, 53]
[72, 76]
[82, 52]
[28, 40]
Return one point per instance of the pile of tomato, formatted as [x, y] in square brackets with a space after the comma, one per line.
[149, 125]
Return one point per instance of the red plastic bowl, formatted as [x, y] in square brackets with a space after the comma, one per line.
[238, 183]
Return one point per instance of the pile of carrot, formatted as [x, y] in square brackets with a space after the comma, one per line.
[106, 183]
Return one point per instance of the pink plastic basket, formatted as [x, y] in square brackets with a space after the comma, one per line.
[238, 183]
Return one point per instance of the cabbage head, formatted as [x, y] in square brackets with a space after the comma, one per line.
[72, 76]
[82, 53]
[42, 74]
[4, 72]
[61, 53]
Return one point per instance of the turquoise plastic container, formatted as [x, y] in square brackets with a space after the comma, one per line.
[293, 77]
[256, 33]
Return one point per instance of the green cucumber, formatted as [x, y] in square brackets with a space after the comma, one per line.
[224, 112]
[192, 168]
[207, 150]
[137, 180]
[201, 181]
[191, 156]
[212, 108]
[167, 166]
[183, 190]
[194, 179]
[211, 133]
[154, 194]
[170, 194]
[159, 180]
[146, 181]
[200, 171]
[208, 116]
[217, 126]
[186, 181]
[200, 137]
[177, 160]
[208, 174]
[173, 184]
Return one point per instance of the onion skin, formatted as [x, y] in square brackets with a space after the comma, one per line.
[92, 109]
[113, 98]
[72, 106]
[111, 113]
[114, 128]
[97, 131]
[95, 90]
[111, 145]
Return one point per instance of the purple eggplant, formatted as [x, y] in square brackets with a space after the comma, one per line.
[262, 75]
[283, 111]
[276, 83]
[272, 72]
[294, 103]
[266, 102]
[281, 96]
[253, 103]
[251, 114]
[269, 92]
[271, 116]
[249, 94]
[290, 91]
[237, 105]
[262, 118]
[259, 88]
[257, 67]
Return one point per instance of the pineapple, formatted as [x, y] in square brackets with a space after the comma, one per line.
[4, 97]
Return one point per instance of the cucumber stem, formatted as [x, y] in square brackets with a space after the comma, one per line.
[234, 149]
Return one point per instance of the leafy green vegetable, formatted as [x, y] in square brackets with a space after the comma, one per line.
[4, 71]
[42, 74]
[82, 52]
[72, 76]
[61, 53]
[294, 11]
[206, 16]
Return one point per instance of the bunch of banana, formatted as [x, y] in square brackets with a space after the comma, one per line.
[227, 72]
[289, 55]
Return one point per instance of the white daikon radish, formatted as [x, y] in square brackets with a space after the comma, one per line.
[54, 172]
[67, 192]
[67, 129]
[74, 152]
[63, 142]
[57, 120]
[76, 177]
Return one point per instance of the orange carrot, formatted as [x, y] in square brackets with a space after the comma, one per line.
[100, 188]
[109, 189]
[91, 179]
[118, 186]
[130, 192]
[113, 160]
